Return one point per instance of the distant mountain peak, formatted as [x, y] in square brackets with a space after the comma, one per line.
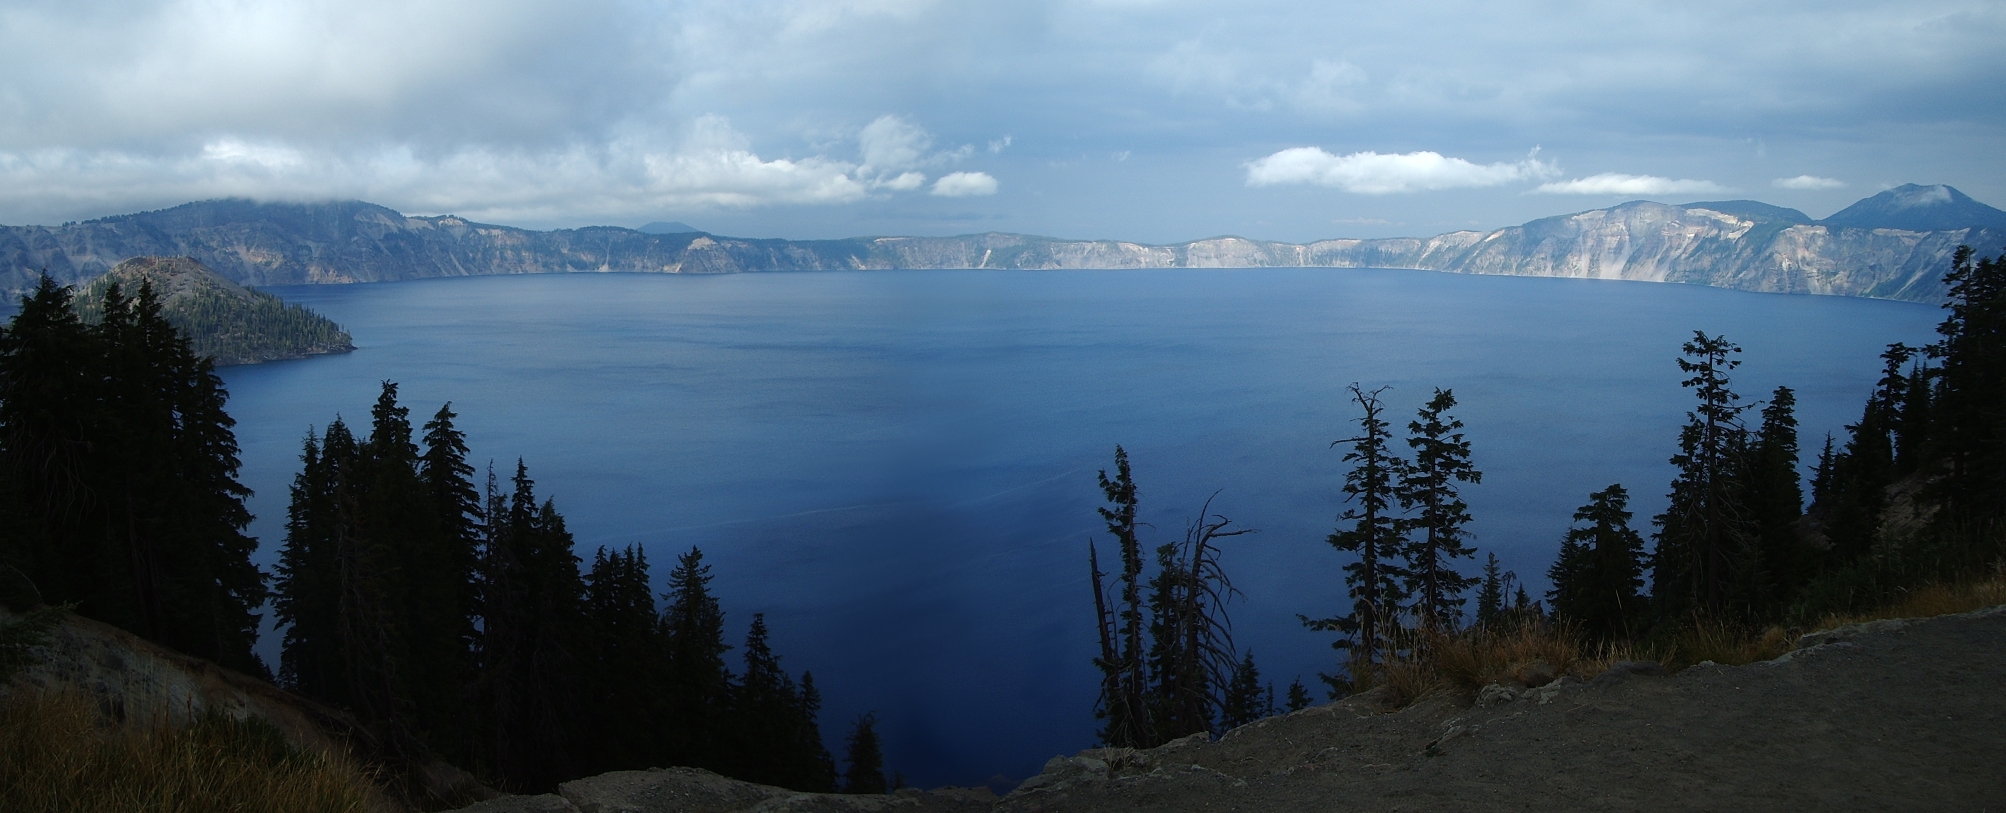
[669, 227]
[1916, 207]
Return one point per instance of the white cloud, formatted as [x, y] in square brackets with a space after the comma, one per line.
[905, 182]
[1808, 182]
[1372, 173]
[1613, 183]
[999, 145]
[964, 184]
[709, 165]
[892, 144]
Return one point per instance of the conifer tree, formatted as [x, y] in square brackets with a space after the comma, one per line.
[1123, 700]
[1374, 581]
[813, 763]
[1191, 642]
[1863, 470]
[1427, 487]
[1970, 416]
[866, 774]
[698, 684]
[1704, 535]
[532, 599]
[1600, 568]
[625, 668]
[778, 740]
[442, 599]
[1491, 592]
[122, 463]
[1245, 701]
[1298, 697]
[1775, 498]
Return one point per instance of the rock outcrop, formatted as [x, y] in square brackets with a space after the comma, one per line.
[1742, 245]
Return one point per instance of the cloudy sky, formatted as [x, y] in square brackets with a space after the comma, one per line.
[1136, 119]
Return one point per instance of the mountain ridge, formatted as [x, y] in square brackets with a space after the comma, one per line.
[1742, 245]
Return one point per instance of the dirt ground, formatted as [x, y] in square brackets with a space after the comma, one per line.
[1893, 715]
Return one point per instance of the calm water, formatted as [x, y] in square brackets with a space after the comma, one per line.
[898, 467]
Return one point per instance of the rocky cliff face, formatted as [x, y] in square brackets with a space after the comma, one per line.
[1738, 244]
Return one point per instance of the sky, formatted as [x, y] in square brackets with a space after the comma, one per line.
[1147, 120]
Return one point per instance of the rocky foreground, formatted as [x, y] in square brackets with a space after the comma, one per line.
[1891, 715]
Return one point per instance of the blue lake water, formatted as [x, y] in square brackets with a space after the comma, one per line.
[897, 467]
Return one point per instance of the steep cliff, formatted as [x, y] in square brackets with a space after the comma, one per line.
[1743, 245]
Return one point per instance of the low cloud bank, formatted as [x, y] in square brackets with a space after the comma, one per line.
[1372, 173]
[964, 184]
[708, 165]
[1808, 182]
[1614, 183]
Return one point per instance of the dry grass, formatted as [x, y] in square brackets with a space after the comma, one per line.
[1533, 654]
[1524, 655]
[1728, 644]
[1934, 600]
[58, 755]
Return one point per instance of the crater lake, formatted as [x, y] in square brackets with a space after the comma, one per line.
[898, 467]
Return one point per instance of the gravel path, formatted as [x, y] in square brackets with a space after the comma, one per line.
[1893, 715]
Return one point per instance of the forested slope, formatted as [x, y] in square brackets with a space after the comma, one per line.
[222, 320]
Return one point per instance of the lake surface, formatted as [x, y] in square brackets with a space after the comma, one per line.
[897, 467]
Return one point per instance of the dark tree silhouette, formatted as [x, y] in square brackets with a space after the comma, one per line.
[120, 470]
[1123, 700]
[1428, 487]
[1374, 581]
[1705, 536]
[1599, 572]
[866, 773]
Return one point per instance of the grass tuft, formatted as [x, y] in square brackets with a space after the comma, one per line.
[1943, 598]
[59, 755]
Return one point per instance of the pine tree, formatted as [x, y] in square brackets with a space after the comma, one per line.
[1970, 415]
[1867, 465]
[532, 597]
[1822, 473]
[1191, 644]
[1374, 581]
[813, 764]
[1298, 698]
[1123, 700]
[1600, 568]
[625, 667]
[866, 774]
[778, 742]
[1245, 700]
[121, 463]
[1491, 592]
[444, 576]
[1427, 486]
[1704, 536]
[1775, 498]
[698, 684]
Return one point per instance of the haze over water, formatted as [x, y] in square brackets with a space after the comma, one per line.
[898, 467]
